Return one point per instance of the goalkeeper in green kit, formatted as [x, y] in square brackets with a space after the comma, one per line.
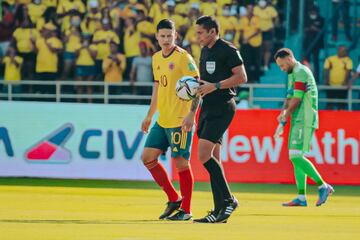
[302, 105]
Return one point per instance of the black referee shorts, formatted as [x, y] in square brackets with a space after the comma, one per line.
[214, 120]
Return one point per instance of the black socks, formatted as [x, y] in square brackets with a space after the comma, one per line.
[219, 185]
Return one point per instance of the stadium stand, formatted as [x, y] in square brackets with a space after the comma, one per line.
[85, 29]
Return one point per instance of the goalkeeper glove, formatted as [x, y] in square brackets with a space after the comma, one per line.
[279, 130]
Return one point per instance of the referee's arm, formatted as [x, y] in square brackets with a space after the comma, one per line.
[238, 77]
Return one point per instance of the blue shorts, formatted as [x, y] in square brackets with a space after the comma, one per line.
[162, 138]
[69, 56]
[98, 67]
[83, 71]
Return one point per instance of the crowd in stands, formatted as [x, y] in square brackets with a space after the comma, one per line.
[113, 40]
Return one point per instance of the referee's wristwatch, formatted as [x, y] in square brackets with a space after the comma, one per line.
[218, 85]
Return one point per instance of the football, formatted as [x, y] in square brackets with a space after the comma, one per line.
[186, 88]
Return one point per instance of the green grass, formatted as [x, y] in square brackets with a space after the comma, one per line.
[53, 209]
[199, 186]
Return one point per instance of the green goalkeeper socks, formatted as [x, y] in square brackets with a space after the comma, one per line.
[303, 167]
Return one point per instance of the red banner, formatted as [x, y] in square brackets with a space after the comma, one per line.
[250, 154]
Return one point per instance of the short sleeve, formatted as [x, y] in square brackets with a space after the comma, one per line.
[19, 60]
[188, 66]
[349, 64]
[274, 13]
[327, 64]
[6, 60]
[115, 38]
[155, 71]
[38, 43]
[58, 43]
[233, 57]
[16, 33]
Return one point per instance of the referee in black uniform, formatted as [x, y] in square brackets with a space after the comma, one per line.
[221, 70]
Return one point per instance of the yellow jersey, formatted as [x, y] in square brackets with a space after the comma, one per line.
[12, 72]
[104, 48]
[167, 71]
[131, 43]
[338, 68]
[46, 60]
[74, 40]
[36, 11]
[23, 39]
[50, 3]
[266, 16]
[250, 26]
[146, 27]
[209, 8]
[89, 25]
[112, 71]
[84, 58]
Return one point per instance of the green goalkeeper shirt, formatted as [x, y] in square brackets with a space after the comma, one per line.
[301, 84]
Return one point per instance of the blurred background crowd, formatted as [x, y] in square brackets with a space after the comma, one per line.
[113, 40]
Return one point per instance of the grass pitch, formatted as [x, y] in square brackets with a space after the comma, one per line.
[36, 209]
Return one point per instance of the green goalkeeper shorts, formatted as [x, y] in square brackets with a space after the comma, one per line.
[162, 138]
[300, 137]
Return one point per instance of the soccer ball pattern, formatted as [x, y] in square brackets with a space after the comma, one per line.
[186, 88]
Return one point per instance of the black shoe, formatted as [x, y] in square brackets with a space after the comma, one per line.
[170, 208]
[210, 218]
[181, 215]
[229, 207]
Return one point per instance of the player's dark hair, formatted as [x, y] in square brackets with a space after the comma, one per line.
[208, 22]
[283, 52]
[165, 24]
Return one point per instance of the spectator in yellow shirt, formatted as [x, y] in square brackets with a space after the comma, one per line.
[228, 24]
[337, 71]
[268, 18]
[22, 39]
[181, 22]
[48, 16]
[36, 10]
[250, 41]
[132, 39]
[68, 8]
[113, 67]
[208, 7]
[85, 64]
[47, 47]
[102, 39]
[158, 11]
[143, 25]
[71, 39]
[91, 21]
[12, 70]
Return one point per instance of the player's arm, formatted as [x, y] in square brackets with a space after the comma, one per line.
[291, 104]
[153, 106]
[189, 120]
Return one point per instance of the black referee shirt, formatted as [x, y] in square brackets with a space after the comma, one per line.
[216, 64]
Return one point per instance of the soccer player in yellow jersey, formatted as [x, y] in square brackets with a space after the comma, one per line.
[174, 126]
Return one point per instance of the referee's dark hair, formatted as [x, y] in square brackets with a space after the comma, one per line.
[165, 24]
[283, 52]
[208, 22]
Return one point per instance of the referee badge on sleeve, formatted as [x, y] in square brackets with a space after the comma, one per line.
[210, 67]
